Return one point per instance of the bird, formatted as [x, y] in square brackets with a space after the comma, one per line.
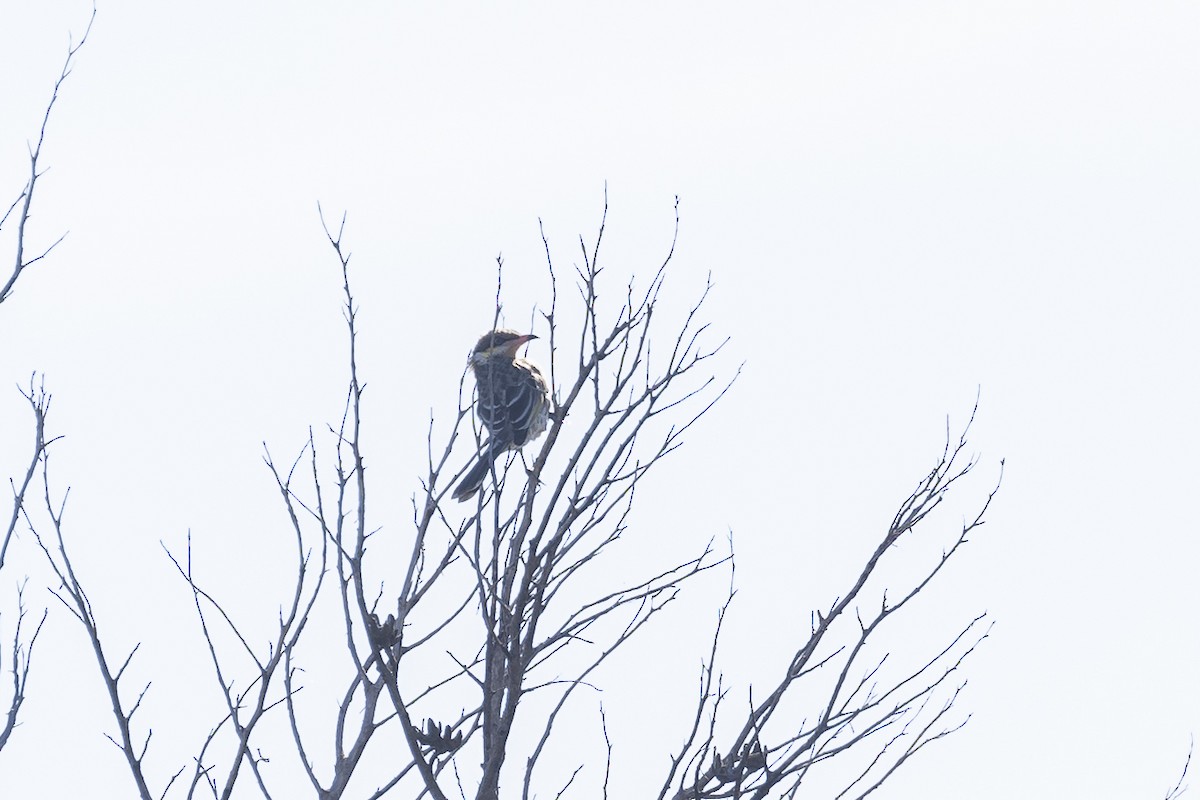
[513, 401]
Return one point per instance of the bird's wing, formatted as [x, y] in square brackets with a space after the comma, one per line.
[492, 408]
[512, 403]
[524, 400]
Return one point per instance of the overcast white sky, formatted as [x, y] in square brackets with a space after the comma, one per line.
[898, 202]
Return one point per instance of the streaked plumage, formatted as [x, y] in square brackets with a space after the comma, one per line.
[513, 401]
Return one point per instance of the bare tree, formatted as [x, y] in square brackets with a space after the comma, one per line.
[20, 654]
[459, 661]
[497, 616]
[508, 560]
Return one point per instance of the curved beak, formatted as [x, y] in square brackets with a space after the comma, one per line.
[511, 347]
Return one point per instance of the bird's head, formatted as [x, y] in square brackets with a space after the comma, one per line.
[500, 343]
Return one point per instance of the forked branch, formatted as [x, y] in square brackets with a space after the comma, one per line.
[771, 753]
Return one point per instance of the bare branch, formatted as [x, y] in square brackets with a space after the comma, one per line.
[1180, 788]
[21, 659]
[75, 598]
[756, 761]
[25, 199]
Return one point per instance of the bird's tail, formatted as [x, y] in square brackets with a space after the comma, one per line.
[474, 479]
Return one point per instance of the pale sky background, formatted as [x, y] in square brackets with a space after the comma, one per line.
[898, 202]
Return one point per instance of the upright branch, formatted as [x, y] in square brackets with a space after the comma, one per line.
[70, 592]
[1180, 788]
[374, 647]
[885, 715]
[246, 708]
[24, 200]
[39, 404]
[19, 662]
[21, 651]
